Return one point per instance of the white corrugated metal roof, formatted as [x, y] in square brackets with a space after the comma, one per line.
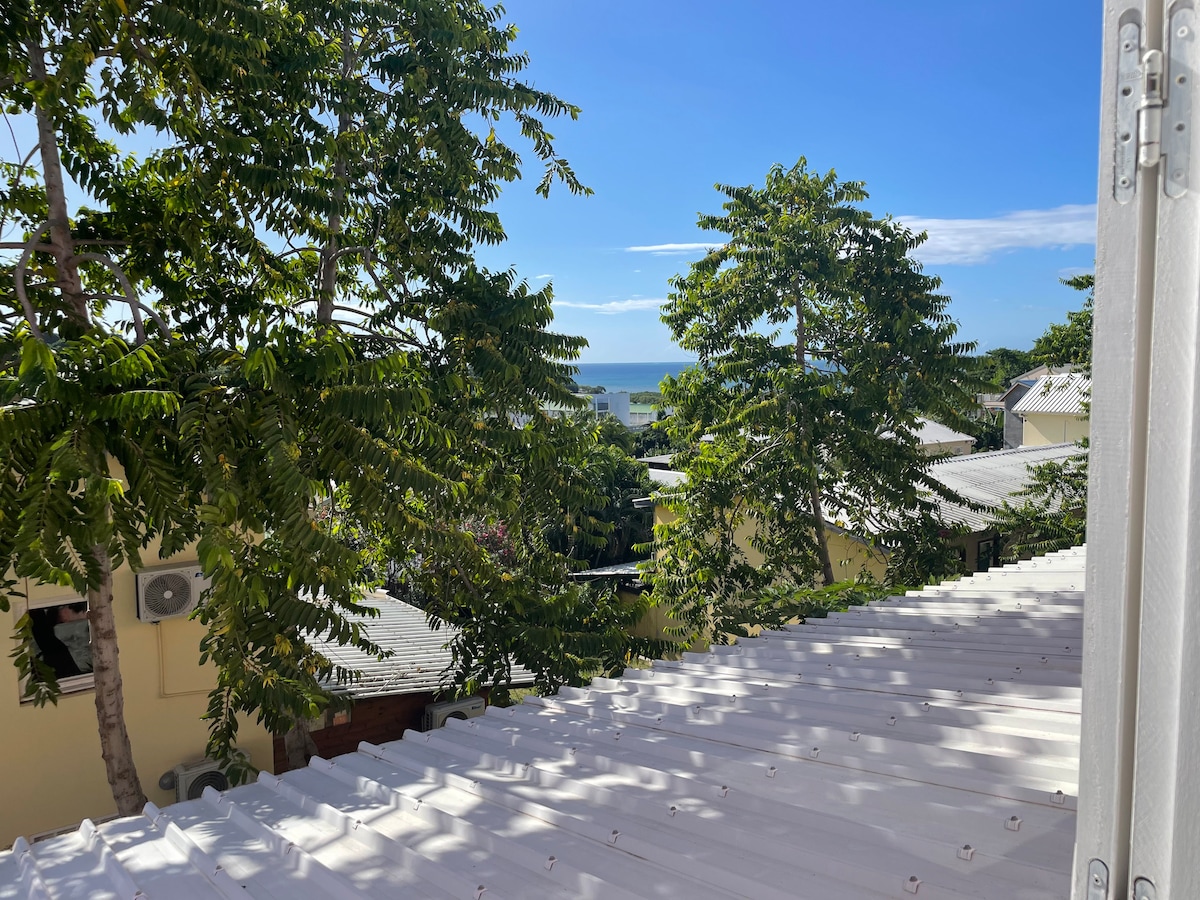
[667, 477]
[420, 659]
[1066, 395]
[926, 744]
[991, 478]
[930, 432]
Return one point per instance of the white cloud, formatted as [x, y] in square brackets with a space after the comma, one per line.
[967, 242]
[613, 307]
[543, 277]
[673, 249]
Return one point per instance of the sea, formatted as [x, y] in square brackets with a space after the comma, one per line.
[634, 376]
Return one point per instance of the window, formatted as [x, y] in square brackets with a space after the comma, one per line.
[63, 638]
[601, 406]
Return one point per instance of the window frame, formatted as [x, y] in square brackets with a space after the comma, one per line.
[71, 684]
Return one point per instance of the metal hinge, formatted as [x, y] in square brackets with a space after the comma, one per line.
[1097, 880]
[1154, 106]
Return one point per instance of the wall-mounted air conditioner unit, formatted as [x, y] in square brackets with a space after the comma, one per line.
[436, 714]
[192, 778]
[169, 593]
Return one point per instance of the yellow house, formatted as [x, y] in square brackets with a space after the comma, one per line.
[1054, 411]
[55, 773]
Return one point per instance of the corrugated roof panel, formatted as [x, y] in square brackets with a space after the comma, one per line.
[1065, 394]
[991, 478]
[925, 742]
[420, 660]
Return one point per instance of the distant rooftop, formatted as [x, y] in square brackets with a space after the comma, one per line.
[1057, 394]
[930, 432]
[420, 660]
[991, 478]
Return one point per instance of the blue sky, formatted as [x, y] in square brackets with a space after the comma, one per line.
[976, 121]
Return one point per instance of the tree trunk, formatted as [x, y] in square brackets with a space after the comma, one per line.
[814, 489]
[67, 270]
[328, 286]
[110, 697]
[299, 745]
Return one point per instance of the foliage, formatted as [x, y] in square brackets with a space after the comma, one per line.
[1052, 512]
[820, 342]
[281, 310]
[654, 397]
[655, 440]
[1000, 365]
[1070, 343]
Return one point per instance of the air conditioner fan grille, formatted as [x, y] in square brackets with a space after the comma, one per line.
[214, 779]
[168, 594]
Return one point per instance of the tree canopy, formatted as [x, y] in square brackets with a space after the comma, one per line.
[273, 310]
[820, 343]
[1051, 512]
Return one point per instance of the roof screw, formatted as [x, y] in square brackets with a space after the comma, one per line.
[416, 804]
[733, 698]
[572, 751]
[1017, 669]
[550, 863]
[814, 752]
[724, 790]
[612, 838]
[672, 810]
[913, 884]
[1127, 46]
[1013, 824]
[479, 891]
[617, 736]
[1058, 797]
[891, 720]
[958, 693]
[771, 772]
[854, 735]
[990, 681]
[966, 851]
[926, 707]
[1045, 659]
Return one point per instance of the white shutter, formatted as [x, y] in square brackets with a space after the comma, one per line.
[1139, 805]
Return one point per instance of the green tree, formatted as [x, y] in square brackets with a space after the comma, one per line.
[1070, 343]
[1000, 365]
[275, 307]
[1051, 513]
[820, 342]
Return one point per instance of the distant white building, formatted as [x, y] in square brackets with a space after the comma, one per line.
[615, 405]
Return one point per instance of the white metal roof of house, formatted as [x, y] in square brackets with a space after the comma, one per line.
[927, 744]
[930, 432]
[991, 478]
[667, 477]
[420, 658]
[1065, 394]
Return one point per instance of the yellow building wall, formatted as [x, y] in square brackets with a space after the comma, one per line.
[1041, 429]
[850, 557]
[55, 776]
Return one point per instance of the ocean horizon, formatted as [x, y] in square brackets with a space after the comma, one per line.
[633, 376]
